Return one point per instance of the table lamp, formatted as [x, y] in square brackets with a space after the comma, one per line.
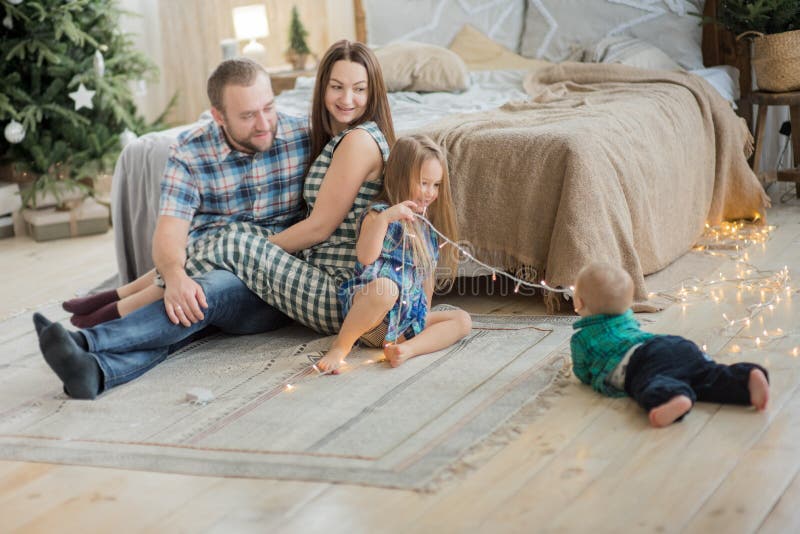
[250, 23]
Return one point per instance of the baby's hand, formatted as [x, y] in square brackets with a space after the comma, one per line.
[403, 211]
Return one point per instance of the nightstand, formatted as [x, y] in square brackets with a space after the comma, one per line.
[764, 100]
[285, 80]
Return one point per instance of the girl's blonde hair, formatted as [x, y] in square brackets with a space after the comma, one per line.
[402, 170]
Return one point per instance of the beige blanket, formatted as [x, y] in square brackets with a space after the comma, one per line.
[605, 162]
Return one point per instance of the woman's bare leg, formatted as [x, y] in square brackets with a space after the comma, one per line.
[137, 285]
[90, 304]
[151, 293]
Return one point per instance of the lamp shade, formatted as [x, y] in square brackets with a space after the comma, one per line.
[250, 22]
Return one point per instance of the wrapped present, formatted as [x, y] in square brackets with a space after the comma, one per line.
[84, 218]
[10, 203]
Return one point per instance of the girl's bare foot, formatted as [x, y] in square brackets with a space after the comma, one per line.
[396, 354]
[331, 361]
[667, 413]
[759, 389]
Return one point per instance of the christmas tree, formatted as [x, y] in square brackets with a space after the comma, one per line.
[297, 34]
[65, 91]
[764, 16]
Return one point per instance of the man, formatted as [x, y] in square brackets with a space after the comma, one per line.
[246, 165]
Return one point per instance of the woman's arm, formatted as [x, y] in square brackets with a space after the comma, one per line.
[356, 160]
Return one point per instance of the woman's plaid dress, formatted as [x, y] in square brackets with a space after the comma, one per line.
[304, 288]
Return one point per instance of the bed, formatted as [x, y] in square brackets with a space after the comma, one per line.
[554, 163]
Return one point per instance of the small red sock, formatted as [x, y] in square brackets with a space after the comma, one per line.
[109, 312]
[91, 303]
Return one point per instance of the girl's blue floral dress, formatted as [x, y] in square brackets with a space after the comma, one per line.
[407, 317]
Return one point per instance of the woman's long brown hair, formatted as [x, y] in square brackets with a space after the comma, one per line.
[377, 102]
[402, 170]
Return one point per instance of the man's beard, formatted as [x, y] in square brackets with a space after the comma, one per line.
[246, 144]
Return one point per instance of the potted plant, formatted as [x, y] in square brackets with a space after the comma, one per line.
[298, 51]
[774, 27]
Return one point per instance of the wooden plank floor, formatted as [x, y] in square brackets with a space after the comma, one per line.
[585, 463]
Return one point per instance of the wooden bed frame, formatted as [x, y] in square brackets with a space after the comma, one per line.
[719, 48]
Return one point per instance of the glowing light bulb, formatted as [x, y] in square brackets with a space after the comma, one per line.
[289, 387]
[516, 288]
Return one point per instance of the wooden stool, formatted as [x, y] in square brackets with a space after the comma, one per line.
[764, 100]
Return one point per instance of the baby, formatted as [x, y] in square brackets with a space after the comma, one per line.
[664, 374]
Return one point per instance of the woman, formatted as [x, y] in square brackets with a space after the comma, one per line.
[351, 133]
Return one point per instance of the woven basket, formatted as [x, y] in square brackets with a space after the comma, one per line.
[776, 60]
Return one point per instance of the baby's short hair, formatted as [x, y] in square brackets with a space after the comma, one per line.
[605, 288]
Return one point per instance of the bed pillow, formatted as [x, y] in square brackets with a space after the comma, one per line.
[629, 51]
[426, 21]
[421, 67]
[480, 52]
[556, 29]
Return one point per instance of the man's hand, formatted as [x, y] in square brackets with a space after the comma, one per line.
[184, 300]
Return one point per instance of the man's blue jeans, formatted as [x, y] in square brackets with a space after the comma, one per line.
[127, 348]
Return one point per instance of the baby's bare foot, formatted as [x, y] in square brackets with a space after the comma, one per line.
[670, 411]
[331, 361]
[759, 389]
[396, 354]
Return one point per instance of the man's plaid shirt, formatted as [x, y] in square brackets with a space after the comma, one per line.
[599, 344]
[210, 184]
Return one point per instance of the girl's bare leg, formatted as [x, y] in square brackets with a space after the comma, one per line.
[369, 308]
[442, 329]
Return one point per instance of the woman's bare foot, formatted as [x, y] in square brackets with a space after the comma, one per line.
[396, 354]
[331, 361]
[759, 389]
[670, 411]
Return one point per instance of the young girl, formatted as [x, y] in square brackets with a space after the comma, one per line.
[351, 133]
[397, 259]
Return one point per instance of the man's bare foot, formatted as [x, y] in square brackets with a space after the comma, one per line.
[759, 389]
[396, 354]
[667, 413]
[331, 361]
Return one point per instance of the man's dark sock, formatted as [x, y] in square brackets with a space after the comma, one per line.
[77, 369]
[109, 312]
[88, 304]
[40, 322]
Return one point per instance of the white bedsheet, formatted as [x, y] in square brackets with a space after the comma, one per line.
[488, 89]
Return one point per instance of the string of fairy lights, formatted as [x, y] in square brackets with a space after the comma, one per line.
[768, 288]
[730, 240]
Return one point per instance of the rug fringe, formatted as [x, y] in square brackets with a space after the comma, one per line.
[480, 453]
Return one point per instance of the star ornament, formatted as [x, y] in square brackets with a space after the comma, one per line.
[82, 97]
